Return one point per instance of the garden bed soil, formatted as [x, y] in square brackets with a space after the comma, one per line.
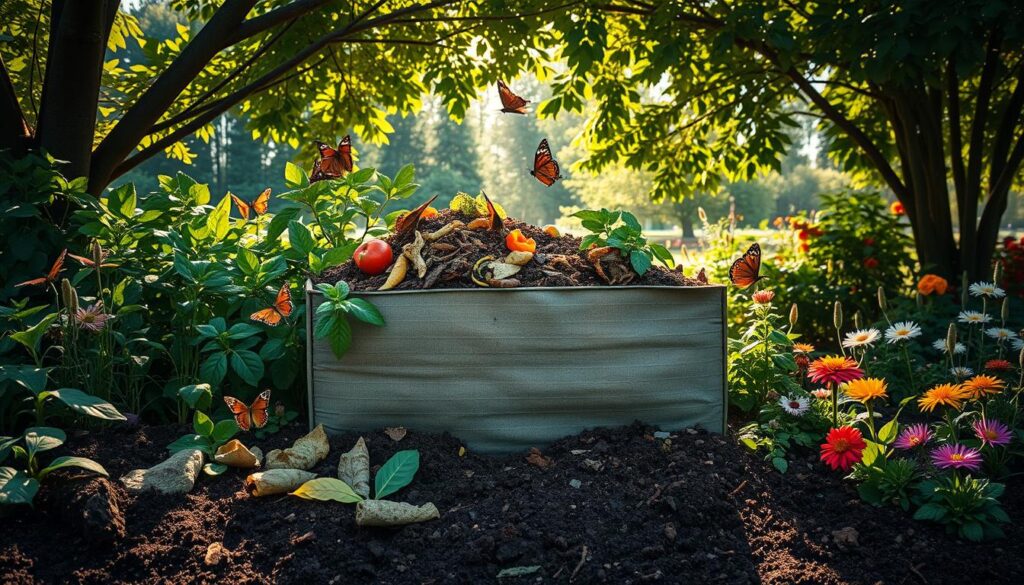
[470, 246]
[612, 506]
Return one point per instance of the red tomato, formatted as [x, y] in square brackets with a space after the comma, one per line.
[373, 257]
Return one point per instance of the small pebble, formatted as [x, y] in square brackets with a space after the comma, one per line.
[575, 484]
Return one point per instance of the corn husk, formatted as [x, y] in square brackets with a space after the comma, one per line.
[388, 513]
[235, 454]
[304, 454]
[354, 468]
[276, 481]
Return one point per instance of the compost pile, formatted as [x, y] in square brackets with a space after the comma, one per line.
[450, 260]
[626, 506]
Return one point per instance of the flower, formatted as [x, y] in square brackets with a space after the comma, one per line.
[982, 385]
[763, 297]
[822, 393]
[861, 337]
[998, 365]
[902, 331]
[913, 436]
[952, 395]
[940, 344]
[897, 208]
[1017, 344]
[956, 457]
[932, 284]
[834, 369]
[870, 263]
[992, 432]
[803, 348]
[92, 318]
[842, 448]
[961, 372]
[869, 241]
[1000, 333]
[802, 361]
[866, 389]
[796, 406]
[986, 289]
[973, 317]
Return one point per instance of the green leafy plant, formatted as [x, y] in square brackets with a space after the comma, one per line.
[888, 481]
[18, 485]
[621, 230]
[967, 506]
[333, 316]
[394, 475]
[229, 348]
[35, 381]
[761, 360]
[207, 436]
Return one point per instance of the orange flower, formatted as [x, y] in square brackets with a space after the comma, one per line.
[897, 208]
[932, 284]
[803, 348]
[552, 230]
[866, 389]
[982, 385]
[952, 395]
[517, 242]
[429, 213]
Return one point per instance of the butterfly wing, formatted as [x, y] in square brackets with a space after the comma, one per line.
[240, 411]
[258, 410]
[702, 276]
[746, 270]
[510, 102]
[283, 302]
[345, 153]
[58, 266]
[243, 207]
[545, 167]
[492, 215]
[326, 150]
[409, 221]
[269, 316]
[262, 203]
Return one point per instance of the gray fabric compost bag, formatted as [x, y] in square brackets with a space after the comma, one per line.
[506, 370]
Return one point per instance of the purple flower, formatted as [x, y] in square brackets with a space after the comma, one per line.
[92, 318]
[992, 432]
[913, 436]
[956, 457]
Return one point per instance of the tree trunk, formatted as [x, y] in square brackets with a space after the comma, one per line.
[14, 131]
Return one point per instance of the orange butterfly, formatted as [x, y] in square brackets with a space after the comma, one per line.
[545, 168]
[281, 308]
[334, 162]
[90, 263]
[254, 415]
[746, 270]
[260, 205]
[510, 102]
[51, 276]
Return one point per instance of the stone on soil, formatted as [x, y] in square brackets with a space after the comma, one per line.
[176, 475]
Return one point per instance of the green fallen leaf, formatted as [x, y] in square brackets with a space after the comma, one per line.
[327, 488]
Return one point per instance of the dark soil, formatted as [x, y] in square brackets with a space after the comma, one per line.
[612, 506]
[454, 257]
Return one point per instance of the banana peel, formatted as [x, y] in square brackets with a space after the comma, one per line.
[398, 271]
[304, 454]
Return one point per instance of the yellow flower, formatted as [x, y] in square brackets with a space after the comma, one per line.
[982, 385]
[866, 389]
[952, 395]
[803, 348]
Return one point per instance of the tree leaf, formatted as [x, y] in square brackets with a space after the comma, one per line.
[214, 368]
[327, 488]
[219, 221]
[396, 473]
[299, 238]
[87, 404]
[295, 177]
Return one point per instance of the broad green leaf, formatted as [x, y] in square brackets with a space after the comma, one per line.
[224, 430]
[219, 220]
[122, 200]
[781, 464]
[16, 487]
[327, 488]
[191, 442]
[214, 368]
[888, 432]
[248, 365]
[87, 404]
[640, 261]
[365, 311]
[196, 396]
[202, 424]
[340, 336]
[214, 469]
[299, 238]
[80, 462]
[30, 337]
[294, 176]
[247, 262]
[5, 446]
[396, 473]
[30, 377]
[405, 176]
[39, 439]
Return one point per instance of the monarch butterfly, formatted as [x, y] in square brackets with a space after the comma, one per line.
[334, 162]
[281, 308]
[702, 276]
[254, 415]
[260, 205]
[510, 102]
[745, 271]
[409, 221]
[51, 276]
[545, 168]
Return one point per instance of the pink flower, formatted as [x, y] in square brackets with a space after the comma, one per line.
[956, 457]
[834, 369]
[992, 432]
[92, 318]
[913, 436]
[822, 393]
[763, 297]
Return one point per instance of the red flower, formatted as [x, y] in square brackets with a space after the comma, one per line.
[870, 263]
[816, 232]
[803, 235]
[998, 365]
[834, 369]
[805, 247]
[842, 448]
[869, 241]
[897, 208]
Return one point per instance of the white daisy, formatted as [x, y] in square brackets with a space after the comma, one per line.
[986, 289]
[861, 337]
[796, 406]
[902, 331]
[1000, 333]
[940, 344]
[961, 373]
[973, 317]
[1017, 344]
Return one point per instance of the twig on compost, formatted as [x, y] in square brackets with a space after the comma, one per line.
[739, 488]
[917, 572]
[579, 565]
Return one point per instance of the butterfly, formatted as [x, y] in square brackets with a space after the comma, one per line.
[545, 168]
[334, 162]
[702, 276]
[409, 221]
[51, 276]
[91, 263]
[254, 415]
[260, 205]
[745, 271]
[281, 308]
[510, 102]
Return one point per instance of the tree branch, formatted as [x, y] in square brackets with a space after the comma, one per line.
[287, 13]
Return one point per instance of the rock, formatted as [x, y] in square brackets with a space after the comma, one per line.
[593, 465]
[215, 553]
[670, 531]
[846, 537]
[575, 484]
[662, 434]
[176, 475]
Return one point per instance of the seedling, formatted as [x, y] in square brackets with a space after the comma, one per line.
[18, 485]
